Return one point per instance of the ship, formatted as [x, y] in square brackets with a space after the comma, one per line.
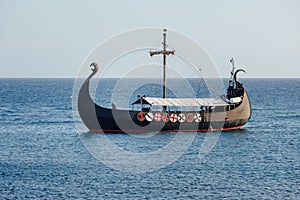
[230, 111]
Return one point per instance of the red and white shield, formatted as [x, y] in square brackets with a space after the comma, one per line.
[189, 117]
[173, 117]
[157, 116]
[165, 117]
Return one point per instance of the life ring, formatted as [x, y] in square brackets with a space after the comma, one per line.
[149, 116]
[165, 117]
[197, 117]
[141, 116]
[157, 116]
[189, 117]
[181, 117]
[173, 117]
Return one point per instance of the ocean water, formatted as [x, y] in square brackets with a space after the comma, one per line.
[43, 155]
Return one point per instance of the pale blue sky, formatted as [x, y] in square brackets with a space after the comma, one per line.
[52, 38]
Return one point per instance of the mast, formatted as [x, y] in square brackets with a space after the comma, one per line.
[164, 64]
[165, 53]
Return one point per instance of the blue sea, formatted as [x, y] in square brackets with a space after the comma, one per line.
[45, 156]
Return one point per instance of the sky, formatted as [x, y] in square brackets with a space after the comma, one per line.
[52, 38]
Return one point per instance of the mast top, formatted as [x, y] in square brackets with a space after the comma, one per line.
[165, 53]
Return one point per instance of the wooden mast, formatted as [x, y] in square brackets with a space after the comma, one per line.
[165, 52]
[164, 64]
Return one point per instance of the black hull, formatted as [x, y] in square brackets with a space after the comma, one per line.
[109, 119]
[100, 119]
